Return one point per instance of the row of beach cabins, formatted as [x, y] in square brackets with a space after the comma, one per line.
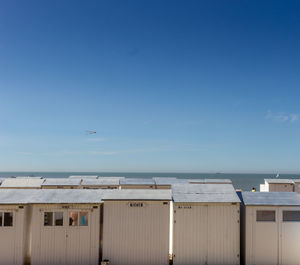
[86, 220]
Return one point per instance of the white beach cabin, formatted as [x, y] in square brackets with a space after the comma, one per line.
[65, 227]
[14, 223]
[270, 228]
[206, 224]
[282, 185]
[136, 227]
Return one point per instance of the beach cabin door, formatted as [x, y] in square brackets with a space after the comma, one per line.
[78, 238]
[290, 235]
[190, 234]
[52, 237]
[266, 236]
[65, 237]
[9, 238]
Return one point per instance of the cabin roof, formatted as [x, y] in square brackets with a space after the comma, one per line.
[168, 181]
[61, 182]
[204, 193]
[1, 180]
[271, 198]
[296, 180]
[23, 182]
[50, 196]
[101, 181]
[137, 181]
[279, 181]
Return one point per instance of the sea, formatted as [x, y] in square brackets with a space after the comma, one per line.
[240, 181]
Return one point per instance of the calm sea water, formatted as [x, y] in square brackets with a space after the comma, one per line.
[242, 181]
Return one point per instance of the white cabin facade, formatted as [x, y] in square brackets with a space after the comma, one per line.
[136, 227]
[206, 225]
[270, 228]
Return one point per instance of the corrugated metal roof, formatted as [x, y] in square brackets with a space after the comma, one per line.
[168, 181]
[19, 196]
[137, 181]
[22, 183]
[103, 181]
[204, 193]
[271, 198]
[218, 181]
[138, 194]
[61, 182]
[83, 177]
[279, 181]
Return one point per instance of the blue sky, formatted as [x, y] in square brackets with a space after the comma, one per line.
[176, 86]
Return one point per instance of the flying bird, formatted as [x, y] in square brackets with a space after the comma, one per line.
[90, 132]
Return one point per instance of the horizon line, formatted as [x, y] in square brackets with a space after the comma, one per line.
[151, 172]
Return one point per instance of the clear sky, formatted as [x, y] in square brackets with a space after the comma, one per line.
[196, 86]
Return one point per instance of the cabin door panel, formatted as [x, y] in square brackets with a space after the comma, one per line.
[7, 243]
[52, 243]
[290, 240]
[78, 244]
[265, 241]
[190, 234]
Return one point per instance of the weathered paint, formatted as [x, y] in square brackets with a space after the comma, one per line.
[284, 187]
[65, 244]
[134, 234]
[206, 234]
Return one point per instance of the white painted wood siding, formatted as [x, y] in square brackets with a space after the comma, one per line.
[65, 244]
[271, 243]
[136, 235]
[262, 238]
[13, 241]
[206, 234]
